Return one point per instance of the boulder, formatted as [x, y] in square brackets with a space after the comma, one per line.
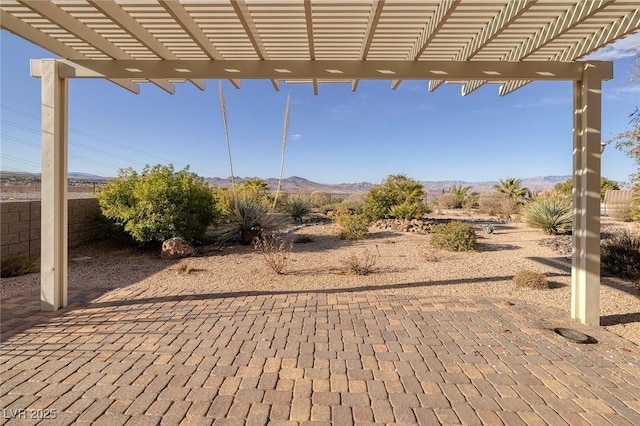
[176, 248]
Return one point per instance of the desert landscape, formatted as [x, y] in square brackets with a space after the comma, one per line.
[404, 263]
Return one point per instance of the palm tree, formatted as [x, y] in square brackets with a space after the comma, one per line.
[513, 188]
[406, 189]
[461, 193]
[255, 186]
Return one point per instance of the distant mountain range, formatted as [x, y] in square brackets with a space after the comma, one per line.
[296, 183]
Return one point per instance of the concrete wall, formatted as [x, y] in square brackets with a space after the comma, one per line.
[20, 226]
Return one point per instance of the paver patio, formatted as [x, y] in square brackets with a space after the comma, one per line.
[142, 357]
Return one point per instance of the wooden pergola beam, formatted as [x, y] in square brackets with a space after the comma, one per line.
[328, 70]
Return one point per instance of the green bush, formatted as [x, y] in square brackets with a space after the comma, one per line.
[454, 236]
[17, 266]
[620, 255]
[550, 212]
[566, 187]
[158, 203]
[297, 207]
[405, 210]
[394, 190]
[353, 226]
[222, 205]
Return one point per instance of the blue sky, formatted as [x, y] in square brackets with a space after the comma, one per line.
[338, 136]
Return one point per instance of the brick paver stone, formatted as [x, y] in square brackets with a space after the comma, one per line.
[140, 356]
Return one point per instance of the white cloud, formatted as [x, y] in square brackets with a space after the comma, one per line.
[295, 136]
[628, 46]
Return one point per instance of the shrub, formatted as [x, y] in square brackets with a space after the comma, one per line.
[566, 187]
[454, 236]
[405, 210]
[447, 201]
[319, 198]
[550, 212]
[222, 205]
[620, 255]
[297, 207]
[274, 250]
[17, 266]
[353, 206]
[394, 190]
[353, 226]
[495, 203]
[530, 279]
[158, 203]
[622, 212]
[359, 265]
[330, 207]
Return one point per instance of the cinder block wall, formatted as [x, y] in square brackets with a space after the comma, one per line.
[20, 226]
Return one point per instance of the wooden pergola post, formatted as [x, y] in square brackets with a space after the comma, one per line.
[585, 268]
[54, 220]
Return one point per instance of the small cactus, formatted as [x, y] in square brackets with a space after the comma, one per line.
[488, 228]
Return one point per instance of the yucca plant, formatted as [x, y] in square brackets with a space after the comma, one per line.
[297, 207]
[223, 109]
[285, 134]
[551, 213]
[249, 218]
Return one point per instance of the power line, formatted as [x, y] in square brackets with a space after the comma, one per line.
[76, 131]
[20, 160]
[78, 157]
[73, 143]
[87, 135]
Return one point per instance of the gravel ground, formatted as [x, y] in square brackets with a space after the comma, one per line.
[406, 264]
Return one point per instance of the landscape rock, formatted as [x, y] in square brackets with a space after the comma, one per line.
[176, 248]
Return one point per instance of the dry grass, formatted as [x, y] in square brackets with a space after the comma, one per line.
[183, 268]
[359, 265]
[530, 279]
[275, 251]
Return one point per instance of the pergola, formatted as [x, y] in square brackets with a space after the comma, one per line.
[472, 42]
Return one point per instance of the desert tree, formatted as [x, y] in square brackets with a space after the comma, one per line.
[514, 189]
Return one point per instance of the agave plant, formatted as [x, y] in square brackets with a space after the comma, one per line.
[297, 207]
[250, 217]
[551, 213]
[488, 228]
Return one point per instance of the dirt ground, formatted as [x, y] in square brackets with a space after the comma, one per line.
[405, 263]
